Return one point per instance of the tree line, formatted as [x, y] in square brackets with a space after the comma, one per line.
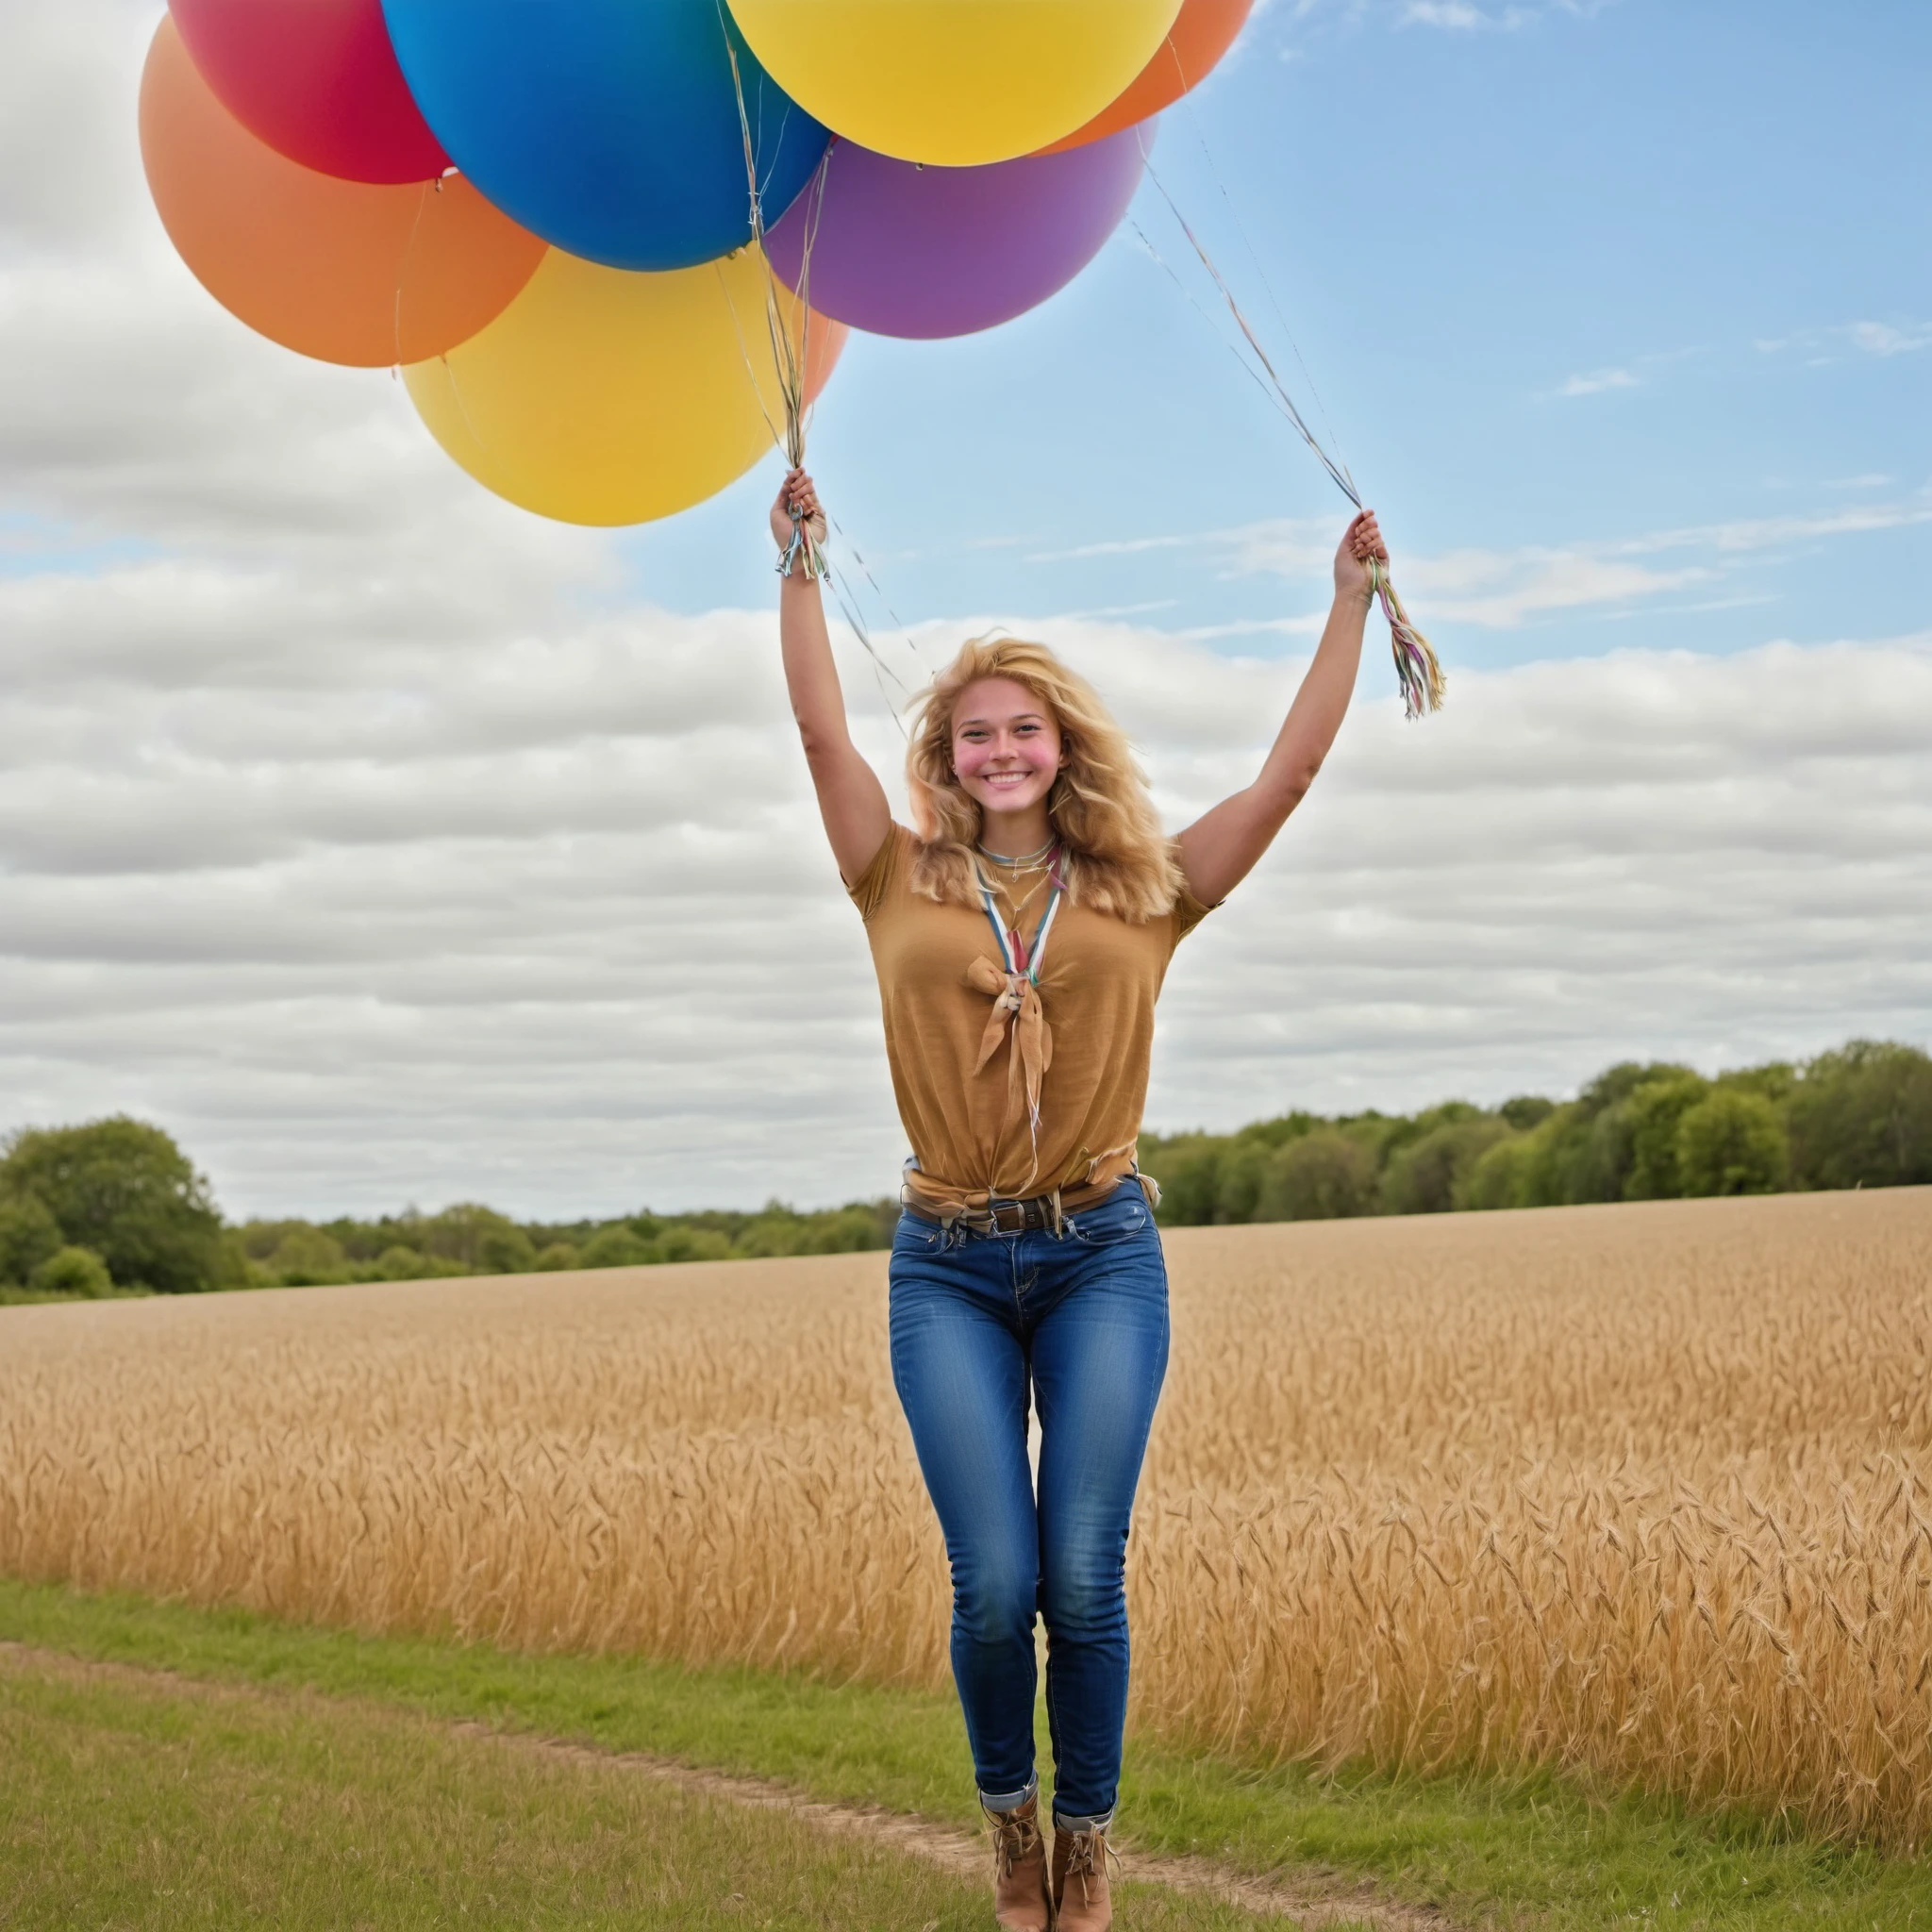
[1859, 1116]
[115, 1205]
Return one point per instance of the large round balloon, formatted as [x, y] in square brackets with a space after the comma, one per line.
[957, 82]
[902, 250]
[1203, 31]
[317, 81]
[339, 270]
[604, 397]
[610, 127]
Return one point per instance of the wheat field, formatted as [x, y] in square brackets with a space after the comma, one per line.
[1642, 1491]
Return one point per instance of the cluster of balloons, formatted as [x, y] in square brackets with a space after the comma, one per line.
[543, 212]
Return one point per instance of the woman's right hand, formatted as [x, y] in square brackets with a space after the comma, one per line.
[1361, 541]
[797, 501]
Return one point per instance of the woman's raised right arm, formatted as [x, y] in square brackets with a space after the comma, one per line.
[852, 801]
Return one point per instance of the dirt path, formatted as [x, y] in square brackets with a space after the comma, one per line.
[1312, 1899]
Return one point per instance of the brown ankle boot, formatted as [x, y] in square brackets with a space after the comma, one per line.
[1081, 1900]
[1020, 1900]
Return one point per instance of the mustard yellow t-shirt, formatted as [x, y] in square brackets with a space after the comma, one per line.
[971, 1130]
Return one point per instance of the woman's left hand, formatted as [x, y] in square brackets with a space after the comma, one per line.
[798, 504]
[1361, 540]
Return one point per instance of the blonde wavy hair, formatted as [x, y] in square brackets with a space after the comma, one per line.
[1116, 858]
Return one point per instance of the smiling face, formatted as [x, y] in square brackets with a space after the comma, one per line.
[1007, 749]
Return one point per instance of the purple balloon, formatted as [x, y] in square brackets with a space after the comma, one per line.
[922, 251]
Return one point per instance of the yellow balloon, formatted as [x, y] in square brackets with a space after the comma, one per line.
[601, 396]
[955, 82]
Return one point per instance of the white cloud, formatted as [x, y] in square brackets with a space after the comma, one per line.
[67, 143]
[1599, 380]
[1115, 546]
[1746, 534]
[1501, 590]
[1451, 16]
[1460, 17]
[1827, 345]
[552, 923]
[374, 837]
[1882, 339]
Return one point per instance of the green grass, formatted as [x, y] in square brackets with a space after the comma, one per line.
[129, 1807]
[1537, 1851]
[131, 1804]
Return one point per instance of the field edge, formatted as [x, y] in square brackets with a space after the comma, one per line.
[1536, 1851]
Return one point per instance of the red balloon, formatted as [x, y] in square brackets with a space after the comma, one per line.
[317, 81]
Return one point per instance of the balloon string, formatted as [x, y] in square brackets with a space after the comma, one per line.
[1336, 473]
[791, 356]
[403, 264]
[792, 359]
[1267, 287]
[826, 573]
[1416, 669]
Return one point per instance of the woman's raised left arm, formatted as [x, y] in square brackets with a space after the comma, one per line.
[1220, 849]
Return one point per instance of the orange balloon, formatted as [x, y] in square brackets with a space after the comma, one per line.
[338, 269]
[824, 343]
[1202, 33]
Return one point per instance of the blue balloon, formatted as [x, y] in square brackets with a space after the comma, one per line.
[610, 127]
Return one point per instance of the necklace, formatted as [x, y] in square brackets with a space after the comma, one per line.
[1035, 866]
[1024, 858]
[1016, 901]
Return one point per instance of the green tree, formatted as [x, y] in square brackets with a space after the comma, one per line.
[1656, 1110]
[1591, 1160]
[481, 1239]
[28, 1235]
[233, 1267]
[1283, 1128]
[400, 1263]
[1544, 1166]
[776, 1229]
[1526, 1111]
[307, 1257]
[684, 1243]
[1424, 1178]
[1503, 1175]
[1238, 1179]
[1774, 1080]
[1732, 1143]
[259, 1240]
[1586, 1149]
[617, 1247]
[124, 1190]
[558, 1257]
[77, 1272]
[1862, 1117]
[844, 1232]
[1188, 1167]
[1325, 1176]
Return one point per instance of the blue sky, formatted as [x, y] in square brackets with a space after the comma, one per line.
[388, 845]
[1561, 275]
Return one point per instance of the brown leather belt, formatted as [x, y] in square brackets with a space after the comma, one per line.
[1001, 1217]
[1023, 1217]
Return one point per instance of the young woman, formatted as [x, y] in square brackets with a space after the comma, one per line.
[1020, 931]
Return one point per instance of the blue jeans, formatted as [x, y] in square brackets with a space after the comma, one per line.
[1082, 1315]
